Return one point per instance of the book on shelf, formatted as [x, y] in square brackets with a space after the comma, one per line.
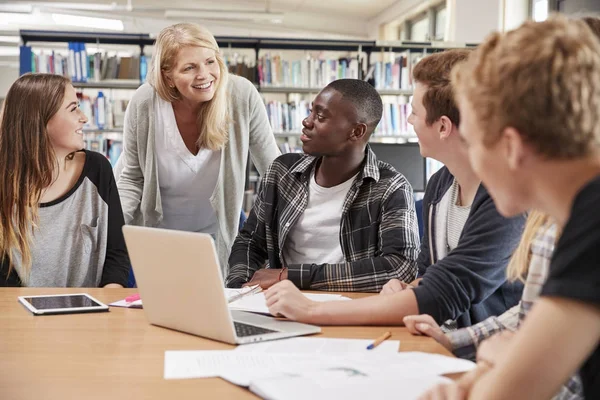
[309, 72]
[241, 65]
[102, 111]
[111, 148]
[394, 121]
[287, 117]
[394, 71]
[79, 66]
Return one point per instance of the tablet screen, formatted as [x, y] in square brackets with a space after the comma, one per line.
[73, 301]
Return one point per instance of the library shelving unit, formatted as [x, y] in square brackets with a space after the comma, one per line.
[257, 44]
[386, 55]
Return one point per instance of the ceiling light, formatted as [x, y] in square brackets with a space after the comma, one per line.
[88, 22]
[226, 15]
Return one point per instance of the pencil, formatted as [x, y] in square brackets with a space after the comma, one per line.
[252, 290]
[379, 340]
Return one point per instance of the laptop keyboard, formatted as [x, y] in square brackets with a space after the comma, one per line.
[243, 330]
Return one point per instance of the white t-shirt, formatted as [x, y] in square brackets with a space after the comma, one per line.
[315, 238]
[186, 181]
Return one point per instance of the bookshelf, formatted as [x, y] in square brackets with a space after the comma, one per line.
[386, 65]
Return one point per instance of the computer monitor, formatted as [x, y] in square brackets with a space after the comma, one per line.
[406, 159]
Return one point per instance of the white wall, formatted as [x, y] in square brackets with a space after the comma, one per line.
[7, 76]
[472, 20]
[515, 13]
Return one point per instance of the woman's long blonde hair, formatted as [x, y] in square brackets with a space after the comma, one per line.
[28, 159]
[213, 117]
[518, 265]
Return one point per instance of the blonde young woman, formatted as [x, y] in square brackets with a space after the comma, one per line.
[60, 214]
[531, 105]
[530, 264]
[187, 136]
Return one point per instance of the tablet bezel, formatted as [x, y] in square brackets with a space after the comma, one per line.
[70, 310]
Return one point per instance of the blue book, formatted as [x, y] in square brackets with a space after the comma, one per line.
[25, 59]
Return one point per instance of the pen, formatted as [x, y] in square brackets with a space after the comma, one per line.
[378, 341]
[132, 298]
[252, 290]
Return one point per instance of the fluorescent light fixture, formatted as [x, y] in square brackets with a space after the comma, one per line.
[16, 8]
[88, 22]
[226, 15]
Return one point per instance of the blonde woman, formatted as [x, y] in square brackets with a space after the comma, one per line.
[187, 136]
[531, 260]
[60, 214]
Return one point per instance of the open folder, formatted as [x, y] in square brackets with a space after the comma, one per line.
[249, 299]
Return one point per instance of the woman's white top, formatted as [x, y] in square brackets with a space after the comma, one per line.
[186, 181]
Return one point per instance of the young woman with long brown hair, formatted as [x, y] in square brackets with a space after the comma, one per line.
[60, 214]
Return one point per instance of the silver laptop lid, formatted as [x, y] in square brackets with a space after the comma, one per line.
[180, 281]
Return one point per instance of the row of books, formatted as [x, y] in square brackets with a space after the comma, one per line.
[78, 66]
[287, 117]
[241, 65]
[394, 121]
[309, 72]
[102, 111]
[111, 148]
[396, 72]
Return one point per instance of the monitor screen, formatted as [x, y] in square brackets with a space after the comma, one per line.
[406, 159]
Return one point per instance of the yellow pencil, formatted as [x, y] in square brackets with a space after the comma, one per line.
[379, 340]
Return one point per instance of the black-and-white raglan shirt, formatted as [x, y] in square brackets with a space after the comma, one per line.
[78, 241]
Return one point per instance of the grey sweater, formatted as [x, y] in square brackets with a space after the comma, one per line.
[137, 175]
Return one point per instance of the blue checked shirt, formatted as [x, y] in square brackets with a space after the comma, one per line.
[378, 229]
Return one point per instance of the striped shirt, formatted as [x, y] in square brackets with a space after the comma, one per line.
[378, 228]
[457, 217]
[465, 341]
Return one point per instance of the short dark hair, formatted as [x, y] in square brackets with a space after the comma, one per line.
[364, 97]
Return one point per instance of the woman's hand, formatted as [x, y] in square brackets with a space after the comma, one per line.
[285, 299]
[424, 324]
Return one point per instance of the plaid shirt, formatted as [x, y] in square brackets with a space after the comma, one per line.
[378, 229]
[465, 341]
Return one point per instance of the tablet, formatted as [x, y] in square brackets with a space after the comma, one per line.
[62, 304]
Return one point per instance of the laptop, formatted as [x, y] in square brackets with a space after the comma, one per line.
[180, 282]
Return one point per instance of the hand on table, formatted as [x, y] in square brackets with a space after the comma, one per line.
[267, 277]
[394, 286]
[424, 324]
[285, 299]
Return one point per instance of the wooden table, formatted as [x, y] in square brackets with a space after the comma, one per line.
[118, 355]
